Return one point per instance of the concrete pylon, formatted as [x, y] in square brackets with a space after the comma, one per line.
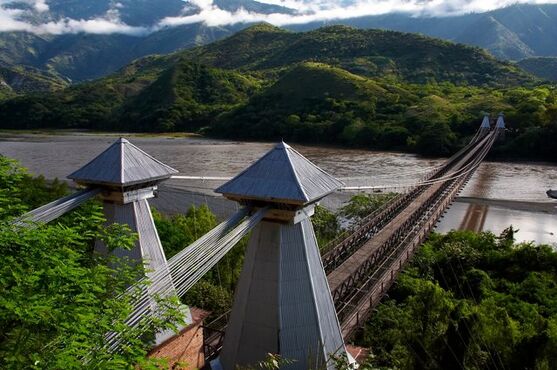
[282, 304]
[128, 177]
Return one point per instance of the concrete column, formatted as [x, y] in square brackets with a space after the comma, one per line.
[283, 304]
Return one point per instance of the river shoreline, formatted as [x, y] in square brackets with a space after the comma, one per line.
[20, 134]
[534, 207]
[498, 194]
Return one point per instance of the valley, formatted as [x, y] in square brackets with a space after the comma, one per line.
[335, 85]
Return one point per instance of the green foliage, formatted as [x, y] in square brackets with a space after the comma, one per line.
[19, 191]
[210, 297]
[214, 291]
[437, 139]
[326, 225]
[361, 88]
[469, 301]
[59, 299]
[178, 231]
[362, 205]
[542, 67]
[11, 176]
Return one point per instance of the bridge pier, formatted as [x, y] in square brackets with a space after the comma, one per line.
[128, 177]
[282, 304]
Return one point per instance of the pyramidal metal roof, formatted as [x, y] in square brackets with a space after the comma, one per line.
[282, 174]
[485, 122]
[122, 164]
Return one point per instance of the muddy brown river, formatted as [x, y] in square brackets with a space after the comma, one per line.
[499, 194]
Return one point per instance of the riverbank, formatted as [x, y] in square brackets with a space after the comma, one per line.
[504, 193]
[13, 134]
[21, 134]
[532, 221]
[537, 207]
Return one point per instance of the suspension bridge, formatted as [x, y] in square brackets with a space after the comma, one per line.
[293, 298]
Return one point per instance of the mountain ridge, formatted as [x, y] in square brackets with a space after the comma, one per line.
[517, 32]
[338, 85]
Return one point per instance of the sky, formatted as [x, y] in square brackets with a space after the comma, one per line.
[205, 11]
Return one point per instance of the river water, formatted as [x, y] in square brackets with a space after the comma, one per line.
[486, 199]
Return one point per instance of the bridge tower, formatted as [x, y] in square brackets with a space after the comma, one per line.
[486, 126]
[282, 304]
[500, 126]
[128, 177]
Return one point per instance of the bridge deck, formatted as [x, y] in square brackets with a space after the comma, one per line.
[348, 267]
[354, 262]
[361, 284]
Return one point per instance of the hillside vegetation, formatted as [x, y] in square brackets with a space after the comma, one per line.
[19, 80]
[366, 88]
[544, 68]
[372, 53]
[512, 33]
[471, 301]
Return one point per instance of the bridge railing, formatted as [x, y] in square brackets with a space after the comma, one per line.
[356, 302]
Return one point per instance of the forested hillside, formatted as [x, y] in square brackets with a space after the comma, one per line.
[473, 301]
[336, 85]
[373, 53]
[20, 80]
[544, 68]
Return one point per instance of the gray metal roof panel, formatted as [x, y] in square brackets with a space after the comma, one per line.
[122, 164]
[283, 174]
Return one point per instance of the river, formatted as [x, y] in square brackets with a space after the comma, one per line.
[498, 195]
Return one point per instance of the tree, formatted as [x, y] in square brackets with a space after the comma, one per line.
[325, 224]
[362, 205]
[470, 301]
[437, 139]
[59, 299]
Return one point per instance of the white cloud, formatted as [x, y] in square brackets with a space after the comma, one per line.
[324, 10]
[41, 6]
[12, 20]
[207, 12]
[95, 26]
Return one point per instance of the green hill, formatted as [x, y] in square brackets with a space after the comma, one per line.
[544, 68]
[19, 80]
[315, 102]
[186, 97]
[338, 85]
[373, 53]
[146, 96]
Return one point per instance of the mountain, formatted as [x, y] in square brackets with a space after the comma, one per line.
[545, 68]
[81, 56]
[337, 85]
[373, 53]
[19, 80]
[488, 33]
[514, 32]
[173, 92]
